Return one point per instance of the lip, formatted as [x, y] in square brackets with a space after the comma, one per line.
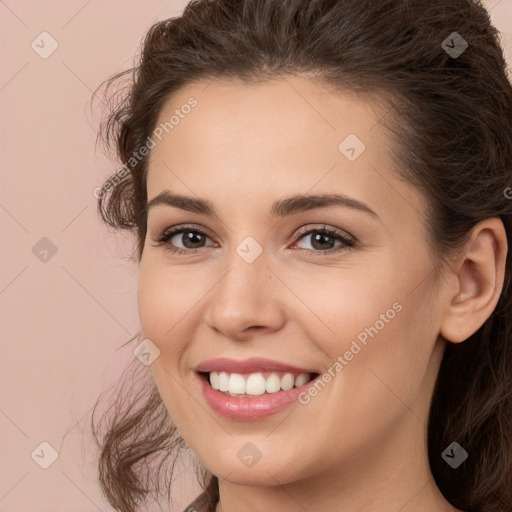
[257, 407]
[251, 365]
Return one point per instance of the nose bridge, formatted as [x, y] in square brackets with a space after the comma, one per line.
[245, 296]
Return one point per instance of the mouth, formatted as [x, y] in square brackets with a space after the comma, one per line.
[257, 383]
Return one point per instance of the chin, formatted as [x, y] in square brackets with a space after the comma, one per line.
[265, 476]
[261, 473]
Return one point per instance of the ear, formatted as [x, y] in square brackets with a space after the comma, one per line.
[476, 281]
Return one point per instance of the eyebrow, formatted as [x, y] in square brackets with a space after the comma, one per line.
[281, 208]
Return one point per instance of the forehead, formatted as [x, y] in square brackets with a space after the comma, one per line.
[279, 112]
[288, 135]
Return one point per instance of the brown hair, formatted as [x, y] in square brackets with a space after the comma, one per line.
[450, 121]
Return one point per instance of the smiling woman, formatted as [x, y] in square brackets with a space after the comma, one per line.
[323, 258]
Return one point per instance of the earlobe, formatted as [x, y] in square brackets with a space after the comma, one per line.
[479, 277]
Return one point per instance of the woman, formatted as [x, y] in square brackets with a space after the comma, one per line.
[321, 197]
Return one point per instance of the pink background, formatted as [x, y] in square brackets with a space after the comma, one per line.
[61, 320]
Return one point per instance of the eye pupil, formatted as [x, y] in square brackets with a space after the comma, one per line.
[319, 236]
[190, 236]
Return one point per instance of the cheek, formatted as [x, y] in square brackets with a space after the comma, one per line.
[153, 301]
[164, 298]
[164, 303]
[352, 306]
[380, 334]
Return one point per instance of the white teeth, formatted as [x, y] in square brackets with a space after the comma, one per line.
[287, 382]
[214, 380]
[301, 379]
[236, 384]
[223, 381]
[273, 383]
[255, 384]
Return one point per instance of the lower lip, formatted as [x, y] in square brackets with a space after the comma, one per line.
[242, 408]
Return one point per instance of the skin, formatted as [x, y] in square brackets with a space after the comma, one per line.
[360, 444]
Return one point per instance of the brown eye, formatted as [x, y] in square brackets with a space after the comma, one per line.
[324, 240]
[191, 238]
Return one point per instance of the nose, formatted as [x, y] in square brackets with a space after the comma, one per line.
[246, 300]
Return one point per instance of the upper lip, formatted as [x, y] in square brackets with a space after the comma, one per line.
[251, 365]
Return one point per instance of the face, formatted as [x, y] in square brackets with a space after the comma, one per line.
[261, 286]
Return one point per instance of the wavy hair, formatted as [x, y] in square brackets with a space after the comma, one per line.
[450, 119]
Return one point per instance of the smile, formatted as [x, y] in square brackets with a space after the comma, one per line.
[256, 384]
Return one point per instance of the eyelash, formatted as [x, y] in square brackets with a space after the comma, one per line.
[167, 235]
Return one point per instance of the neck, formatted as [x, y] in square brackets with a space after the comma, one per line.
[388, 475]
